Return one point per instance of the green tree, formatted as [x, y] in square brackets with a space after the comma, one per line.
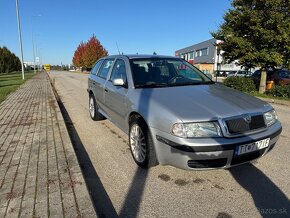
[256, 33]
[9, 62]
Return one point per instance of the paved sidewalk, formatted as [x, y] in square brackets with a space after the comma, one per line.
[39, 172]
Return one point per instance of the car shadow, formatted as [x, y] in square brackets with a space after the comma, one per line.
[134, 196]
[101, 200]
[131, 205]
[268, 198]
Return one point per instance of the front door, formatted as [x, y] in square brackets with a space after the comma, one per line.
[116, 96]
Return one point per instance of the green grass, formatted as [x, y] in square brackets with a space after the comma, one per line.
[11, 81]
[257, 94]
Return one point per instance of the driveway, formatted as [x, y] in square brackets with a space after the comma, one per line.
[119, 188]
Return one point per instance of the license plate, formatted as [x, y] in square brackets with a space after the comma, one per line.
[244, 149]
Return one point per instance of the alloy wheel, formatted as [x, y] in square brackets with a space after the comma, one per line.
[92, 107]
[138, 143]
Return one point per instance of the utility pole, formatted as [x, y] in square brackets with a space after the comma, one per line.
[33, 53]
[20, 39]
[33, 39]
[218, 63]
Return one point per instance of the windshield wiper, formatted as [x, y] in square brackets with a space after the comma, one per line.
[152, 85]
[191, 83]
[160, 85]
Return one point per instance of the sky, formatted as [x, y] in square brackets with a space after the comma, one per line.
[137, 26]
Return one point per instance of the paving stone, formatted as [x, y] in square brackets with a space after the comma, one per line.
[39, 172]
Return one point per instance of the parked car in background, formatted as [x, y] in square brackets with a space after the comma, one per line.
[244, 73]
[240, 73]
[256, 76]
[232, 73]
[224, 73]
[175, 115]
[281, 77]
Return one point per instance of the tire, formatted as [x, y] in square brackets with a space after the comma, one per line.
[141, 143]
[93, 109]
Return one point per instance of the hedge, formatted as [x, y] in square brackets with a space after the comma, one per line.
[243, 84]
[279, 91]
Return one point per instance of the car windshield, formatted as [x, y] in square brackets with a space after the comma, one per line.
[165, 72]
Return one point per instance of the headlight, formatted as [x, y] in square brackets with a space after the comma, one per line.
[270, 117]
[198, 130]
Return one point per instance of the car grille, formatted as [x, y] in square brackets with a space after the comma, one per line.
[240, 125]
[212, 163]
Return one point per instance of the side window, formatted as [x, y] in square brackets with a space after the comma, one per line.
[96, 67]
[103, 72]
[119, 71]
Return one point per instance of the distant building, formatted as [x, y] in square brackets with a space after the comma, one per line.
[204, 56]
[28, 64]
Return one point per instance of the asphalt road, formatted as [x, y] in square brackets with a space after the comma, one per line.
[120, 188]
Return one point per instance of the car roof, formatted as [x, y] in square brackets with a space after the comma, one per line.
[137, 56]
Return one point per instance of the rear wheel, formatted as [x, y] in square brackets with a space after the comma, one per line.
[141, 144]
[93, 109]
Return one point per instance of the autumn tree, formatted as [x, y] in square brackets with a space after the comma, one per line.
[88, 53]
[256, 33]
[78, 59]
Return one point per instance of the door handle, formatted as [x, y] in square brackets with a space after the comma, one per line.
[106, 90]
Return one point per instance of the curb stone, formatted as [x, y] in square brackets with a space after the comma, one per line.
[80, 191]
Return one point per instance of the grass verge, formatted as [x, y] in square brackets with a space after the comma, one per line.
[257, 94]
[9, 82]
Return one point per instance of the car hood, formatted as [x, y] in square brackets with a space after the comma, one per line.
[199, 102]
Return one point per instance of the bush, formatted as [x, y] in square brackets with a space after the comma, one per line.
[280, 91]
[243, 84]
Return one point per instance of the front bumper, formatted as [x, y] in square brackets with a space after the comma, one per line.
[209, 153]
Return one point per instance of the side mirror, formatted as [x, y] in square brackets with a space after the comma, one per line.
[118, 82]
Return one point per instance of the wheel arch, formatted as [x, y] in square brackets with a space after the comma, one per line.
[133, 115]
[91, 93]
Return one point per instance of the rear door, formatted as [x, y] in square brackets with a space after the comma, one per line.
[100, 81]
[116, 96]
[93, 76]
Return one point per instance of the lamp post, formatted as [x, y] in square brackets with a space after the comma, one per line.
[33, 53]
[20, 39]
[33, 40]
[218, 63]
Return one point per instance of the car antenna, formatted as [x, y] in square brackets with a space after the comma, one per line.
[117, 47]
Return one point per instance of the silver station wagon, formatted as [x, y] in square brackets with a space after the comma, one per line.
[175, 115]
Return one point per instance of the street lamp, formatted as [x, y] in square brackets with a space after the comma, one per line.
[33, 41]
[20, 40]
[218, 63]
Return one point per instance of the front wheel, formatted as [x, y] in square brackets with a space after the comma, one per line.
[93, 109]
[141, 144]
